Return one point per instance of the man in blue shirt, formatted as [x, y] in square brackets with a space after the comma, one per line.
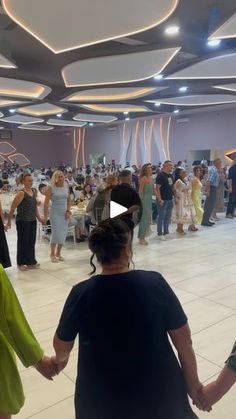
[211, 188]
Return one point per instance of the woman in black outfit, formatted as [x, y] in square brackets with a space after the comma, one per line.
[26, 225]
[5, 260]
[127, 367]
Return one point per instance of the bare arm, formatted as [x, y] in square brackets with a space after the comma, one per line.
[17, 200]
[143, 182]
[182, 341]
[62, 350]
[230, 185]
[158, 194]
[46, 202]
[68, 202]
[214, 391]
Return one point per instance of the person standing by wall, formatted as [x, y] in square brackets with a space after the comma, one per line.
[146, 189]
[25, 202]
[164, 194]
[4, 252]
[232, 191]
[60, 213]
[197, 193]
[210, 192]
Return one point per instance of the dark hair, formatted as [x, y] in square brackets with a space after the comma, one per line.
[107, 240]
[124, 174]
[196, 168]
[41, 186]
[177, 174]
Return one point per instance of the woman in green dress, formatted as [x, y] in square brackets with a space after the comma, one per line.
[146, 190]
[17, 337]
[197, 193]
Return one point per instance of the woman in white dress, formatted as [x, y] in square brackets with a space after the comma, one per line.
[183, 212]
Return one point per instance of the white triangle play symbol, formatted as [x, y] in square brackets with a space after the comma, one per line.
[116, 209]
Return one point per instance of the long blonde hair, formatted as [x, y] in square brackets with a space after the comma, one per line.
[55, 177]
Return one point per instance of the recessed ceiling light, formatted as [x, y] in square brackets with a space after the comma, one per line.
[172, 30]
[127, 119]
[157, 104]
[126, 113]
[183, 89]
[214, 43]
[59, 115]
[158, 77]
[91, 124]
[12, 110]
[176, 111]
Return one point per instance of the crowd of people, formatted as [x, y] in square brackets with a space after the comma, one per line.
[127, 367]
[113, 381]
[163, 194]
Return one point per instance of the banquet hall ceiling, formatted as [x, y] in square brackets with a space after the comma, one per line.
[75, 58]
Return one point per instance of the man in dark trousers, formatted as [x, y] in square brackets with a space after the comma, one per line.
[211, 188]
[232, 191]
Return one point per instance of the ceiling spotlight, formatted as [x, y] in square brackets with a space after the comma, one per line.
[126, 113]
[59, 115]
[157, 104]
[127, 119]
[12, 110]
[214, 43]
[158, 77]
[91, 124]
[183, 89]
[172, 30]
[176, 111]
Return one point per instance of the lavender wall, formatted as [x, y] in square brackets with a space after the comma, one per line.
[44, 148]
[215, 130]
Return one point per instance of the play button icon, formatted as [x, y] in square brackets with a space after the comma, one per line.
[116, 209]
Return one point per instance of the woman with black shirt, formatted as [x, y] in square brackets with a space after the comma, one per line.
[26, 225]
[127, 367]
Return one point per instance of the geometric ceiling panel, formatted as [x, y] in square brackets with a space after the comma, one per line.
[41, 109]
[4, 103]
[6, 148]
[114, 69]
[64, 123]
[232, 155]
[223, 66]
[116, 108]
[75, 24]
[112, 94]
[35, 127]
[6, 63]
[22, 88]
[19, 158]
[1, 160]
[231, 87]
[227, 30]
[21, 119]
[95, 118]
[197, 100]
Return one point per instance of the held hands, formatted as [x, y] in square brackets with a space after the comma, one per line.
[7, 226]
[67, 214]
[47, 368]
[59, 366]
[200, 399]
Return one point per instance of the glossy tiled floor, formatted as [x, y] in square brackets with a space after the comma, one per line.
[201, 268]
